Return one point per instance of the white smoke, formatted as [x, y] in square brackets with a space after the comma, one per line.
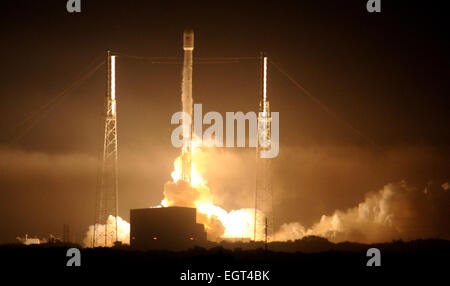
[218, 222]
[123, 233]
[398, 211]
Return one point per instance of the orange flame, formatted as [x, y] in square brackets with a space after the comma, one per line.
[237, 223]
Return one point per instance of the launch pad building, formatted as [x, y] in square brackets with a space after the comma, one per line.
[169, 228]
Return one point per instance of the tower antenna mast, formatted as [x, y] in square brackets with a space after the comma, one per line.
[107, 201]
[263, 224]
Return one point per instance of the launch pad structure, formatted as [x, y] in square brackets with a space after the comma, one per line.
[107, 201]
[263, 216]
[106, 233]
[168, 228]
[264, 221]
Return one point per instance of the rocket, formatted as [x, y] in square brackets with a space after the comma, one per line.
[188, 40]
[264, 117]
[186, 88]
[264, 104]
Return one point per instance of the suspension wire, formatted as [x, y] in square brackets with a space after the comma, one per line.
[100, 57]
[217, 62]
[179, 60]
[196, 63]
[326, 108]
[35, 113]
[123, 55]
[41, 114]
[34, 118]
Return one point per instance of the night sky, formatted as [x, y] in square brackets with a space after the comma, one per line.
[384, 73]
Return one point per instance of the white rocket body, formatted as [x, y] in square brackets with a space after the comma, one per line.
[186, 97]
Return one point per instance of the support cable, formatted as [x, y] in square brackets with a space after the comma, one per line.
[326, 108]
[32, 120]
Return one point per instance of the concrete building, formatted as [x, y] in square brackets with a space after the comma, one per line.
[171, 228]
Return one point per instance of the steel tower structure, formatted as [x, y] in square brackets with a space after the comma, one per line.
[263, 225]
[107, 192]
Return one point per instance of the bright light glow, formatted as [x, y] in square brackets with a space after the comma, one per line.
[113, 77]
[265, 84]
[113, 85]
[196, 177]
[237, 223]
[113, 107]
[123, 234]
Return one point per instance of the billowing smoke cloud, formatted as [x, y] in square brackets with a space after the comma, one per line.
[123, 233]
[219, 223]
[182, 194]
[42, 191]
[398, 211]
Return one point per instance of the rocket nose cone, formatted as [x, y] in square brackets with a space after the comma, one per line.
[188, 31]
[188, 39]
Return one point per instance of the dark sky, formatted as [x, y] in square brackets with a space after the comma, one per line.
[384, 73]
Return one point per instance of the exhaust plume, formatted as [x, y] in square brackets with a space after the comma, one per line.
[123, 234]
[398, 211]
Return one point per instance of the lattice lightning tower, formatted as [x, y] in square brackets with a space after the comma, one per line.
[263, 226]
[107, 194]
